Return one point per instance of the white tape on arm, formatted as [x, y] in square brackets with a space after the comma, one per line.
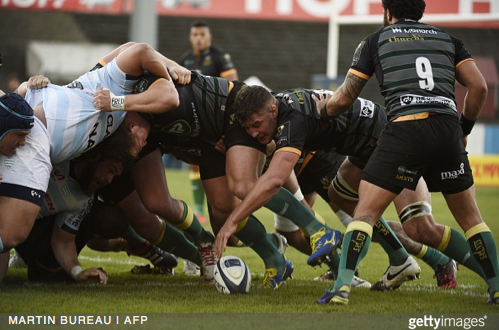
[75, 271]
[299, 195]
[117, 102]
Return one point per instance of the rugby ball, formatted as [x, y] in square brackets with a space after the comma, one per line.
[232, 275]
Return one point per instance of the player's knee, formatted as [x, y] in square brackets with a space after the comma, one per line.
[417, 221]
[10, 240]
[340, 191]
[166, 207]
[222, 208]
[239, 190]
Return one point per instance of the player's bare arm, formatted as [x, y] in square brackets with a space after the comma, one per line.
[159, 98]
[345, 95]
[265, 188]
[64, 248]
[470, 77]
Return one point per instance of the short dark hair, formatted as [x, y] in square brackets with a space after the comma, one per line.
[411, 9]
[199, 23]
[250, 100]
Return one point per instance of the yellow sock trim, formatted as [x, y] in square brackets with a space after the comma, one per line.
[480, 228]
[187, 220]
[162, 232]
[421, 253]
[241, 224]
[445, 239]
[239, 243]
[362, 226]
[194, 176]
[320, 218]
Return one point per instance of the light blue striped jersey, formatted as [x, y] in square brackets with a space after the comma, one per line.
[65, 199]
[73, 124]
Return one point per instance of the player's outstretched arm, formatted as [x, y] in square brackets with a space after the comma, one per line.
[265, 188]
[64, 249]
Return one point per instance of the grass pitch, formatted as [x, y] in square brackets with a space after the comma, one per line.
[128, 293]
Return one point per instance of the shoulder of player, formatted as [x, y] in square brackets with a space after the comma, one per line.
[214, 50]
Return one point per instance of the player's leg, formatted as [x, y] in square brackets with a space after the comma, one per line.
[4, 265]
[197, 192]
[150, 183]
[414, 209]
[445, 268]
[373, 201]
[343, 193]
[483, 246]
[15, 226]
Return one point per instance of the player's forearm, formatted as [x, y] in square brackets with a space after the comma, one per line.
[265, 188]
[474, 102]
[66, 255]
[153, 101]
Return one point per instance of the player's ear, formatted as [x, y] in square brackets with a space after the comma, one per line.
[274, 111]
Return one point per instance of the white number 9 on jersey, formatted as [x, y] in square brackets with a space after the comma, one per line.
[423, 68]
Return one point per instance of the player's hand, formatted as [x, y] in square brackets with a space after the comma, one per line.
[220, 146]
[92, 276]
[321, 101]
[102, 99]
[37, 82]
[180, 74]
[227, 230]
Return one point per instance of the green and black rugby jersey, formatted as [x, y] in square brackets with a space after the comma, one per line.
[300, 129]
[213, 61]
[204, 111]
[415, 65]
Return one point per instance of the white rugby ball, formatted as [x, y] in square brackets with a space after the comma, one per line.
[232, 275]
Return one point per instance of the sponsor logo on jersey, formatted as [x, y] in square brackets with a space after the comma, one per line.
[413, 30]
[282, 134]
[401, 39]
[409, 99]
[9, 163]
[207, 61]
[232, 119]
[140, 86]
[450, 175]
[366, 108]
[358, 51]
[178, 127]
[75, 84]
[49, 202]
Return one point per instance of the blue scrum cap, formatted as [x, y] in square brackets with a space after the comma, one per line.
[15, 114]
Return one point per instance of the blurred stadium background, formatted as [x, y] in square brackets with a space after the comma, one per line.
[284, 43]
